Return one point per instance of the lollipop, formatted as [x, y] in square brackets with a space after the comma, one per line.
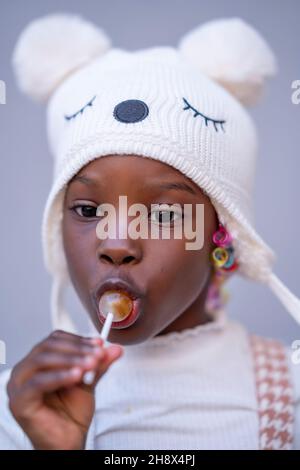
[89, 376]
[115, 306]
[115, 302]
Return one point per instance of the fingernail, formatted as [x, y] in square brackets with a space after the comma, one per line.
[89, 377]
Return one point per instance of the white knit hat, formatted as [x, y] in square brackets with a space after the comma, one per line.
[183, 106]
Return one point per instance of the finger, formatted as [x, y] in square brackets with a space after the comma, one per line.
[73, 337]
[70, 347]
[61, 334]
[54, 359]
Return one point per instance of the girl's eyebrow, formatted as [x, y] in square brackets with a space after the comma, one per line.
[83, 179]
[177, 185]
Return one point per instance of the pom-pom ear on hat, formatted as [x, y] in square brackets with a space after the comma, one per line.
[52, 47]
[232, 53]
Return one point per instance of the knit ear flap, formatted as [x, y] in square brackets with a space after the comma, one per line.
[52, 47]
[233, 54]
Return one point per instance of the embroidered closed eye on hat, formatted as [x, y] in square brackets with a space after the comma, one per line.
[184, 106]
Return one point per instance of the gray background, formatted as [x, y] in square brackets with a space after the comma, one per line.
[26, 166]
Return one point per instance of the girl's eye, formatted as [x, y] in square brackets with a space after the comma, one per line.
[85, 210]
[165, 216]
[207, 119]
[71, 116]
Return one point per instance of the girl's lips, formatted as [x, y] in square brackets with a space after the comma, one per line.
[120, 285]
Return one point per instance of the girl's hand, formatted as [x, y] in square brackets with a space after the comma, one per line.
[46, 394]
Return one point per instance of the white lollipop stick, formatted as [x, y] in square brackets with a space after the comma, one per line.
[89, 376]
[106, 327]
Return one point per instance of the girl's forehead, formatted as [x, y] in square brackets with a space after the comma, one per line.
[129, 167]
[134, 172]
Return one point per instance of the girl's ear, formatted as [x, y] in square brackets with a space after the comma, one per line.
[52, 47]
[233, 54]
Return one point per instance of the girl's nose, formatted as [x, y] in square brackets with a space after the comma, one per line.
[119, 252]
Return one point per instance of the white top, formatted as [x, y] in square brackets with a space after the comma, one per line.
[193, 389]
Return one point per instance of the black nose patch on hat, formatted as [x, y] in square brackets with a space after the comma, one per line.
[131, 111]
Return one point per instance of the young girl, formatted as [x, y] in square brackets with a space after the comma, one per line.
[166, 128]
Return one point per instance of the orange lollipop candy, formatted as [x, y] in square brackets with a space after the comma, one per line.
[116, 302]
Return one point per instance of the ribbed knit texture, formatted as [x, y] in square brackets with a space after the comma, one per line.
[161, 78]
